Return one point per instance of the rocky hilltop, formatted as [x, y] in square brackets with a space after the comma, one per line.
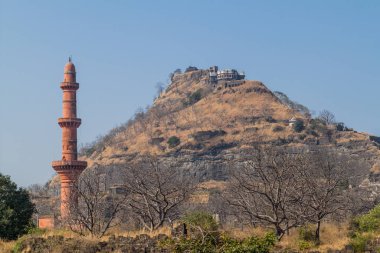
[207, 123]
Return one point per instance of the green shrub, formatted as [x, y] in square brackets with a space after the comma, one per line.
[36, 231]
[317, 125]
[173, 141]
[363, 229]
[312, 132]
[306, 233]
[270, 119]
[201, 222]
[207, 245]
[305, 245]
[191, 68]
[224, 244]
[340, 126]
[194, 97]
[16, 209]
[302, 136]
[314, 123]
[306, 237]
[360, 241]
[278, 128]
[18, 245]
[251, 244]
[260, 244]
[298, 126]
[369, 222]
[204, 237]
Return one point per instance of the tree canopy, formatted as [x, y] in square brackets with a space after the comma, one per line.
[16, 209]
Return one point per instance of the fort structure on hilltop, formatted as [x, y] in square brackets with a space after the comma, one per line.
[69, 167]
[216, 75]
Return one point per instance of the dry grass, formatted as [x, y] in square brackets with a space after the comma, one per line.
[242, 233]
[333, 236]
[163, 230]
[7, 246]
[220, 109]
[59, 232]
[351, 136]
[375, 168]
[200, 198]
[213, 184]
[114, 232]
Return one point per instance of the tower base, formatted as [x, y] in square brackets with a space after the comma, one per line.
[68, 172]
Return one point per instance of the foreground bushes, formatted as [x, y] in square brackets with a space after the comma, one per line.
[203, 236]
[16, 209]
[364, 230]
[221, 244]
[61, 244]
[173, 141]
[34, 243]
[200, 234]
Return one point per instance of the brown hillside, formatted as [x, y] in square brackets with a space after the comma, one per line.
[242, 113]
[204, 116]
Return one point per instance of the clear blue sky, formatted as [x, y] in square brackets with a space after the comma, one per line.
[323, 54]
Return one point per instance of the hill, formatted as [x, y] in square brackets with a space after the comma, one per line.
[196, 120]
[206, 128]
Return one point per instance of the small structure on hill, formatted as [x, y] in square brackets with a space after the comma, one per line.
[216, 75]
[213, 72]
[46, 221]
[292, 121]
[230, 74]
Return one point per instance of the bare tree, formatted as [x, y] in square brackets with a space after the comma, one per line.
[175, 72]
[264, 188]
[91, 208]
[327, 117]
[287, 189]
[38, 190]
[160, 87]
[156, 191]
[325, 181]
[140, 121]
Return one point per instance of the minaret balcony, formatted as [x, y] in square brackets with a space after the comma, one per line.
[69, 86]
[69, 122]
[67, 165]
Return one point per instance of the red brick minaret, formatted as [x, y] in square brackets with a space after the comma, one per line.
[69, 168]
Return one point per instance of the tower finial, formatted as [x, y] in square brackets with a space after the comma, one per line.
[70, 58]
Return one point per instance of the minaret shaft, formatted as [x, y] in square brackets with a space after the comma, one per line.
[69, 133]
[69, 168]
[69, 109]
